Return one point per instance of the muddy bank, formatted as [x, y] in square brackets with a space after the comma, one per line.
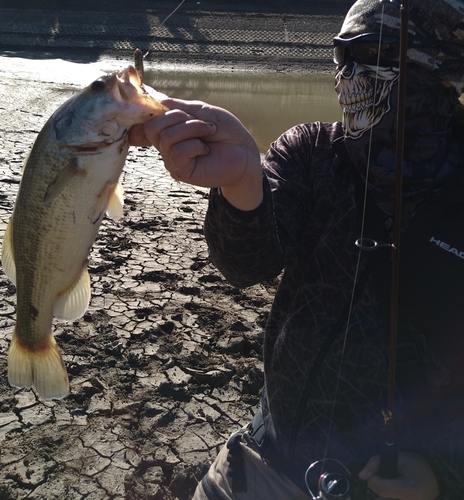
[164, 365]
[166, 362]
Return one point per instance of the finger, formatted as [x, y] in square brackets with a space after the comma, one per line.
[187, 106]
[170, 128]
[191, 129]
[182, 159]
[137, 136]
[198, 109]
[372, 467]
[145, 134]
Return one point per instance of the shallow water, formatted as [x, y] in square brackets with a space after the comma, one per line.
[267, 103]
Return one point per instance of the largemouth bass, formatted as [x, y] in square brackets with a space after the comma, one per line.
[70, 179]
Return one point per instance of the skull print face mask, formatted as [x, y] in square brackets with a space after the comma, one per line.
[368, 96]
[364, 95]
[440, 22]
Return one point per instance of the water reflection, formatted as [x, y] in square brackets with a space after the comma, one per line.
[267, 103]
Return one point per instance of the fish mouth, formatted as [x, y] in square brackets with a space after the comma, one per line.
[139, 102]
[128, 82]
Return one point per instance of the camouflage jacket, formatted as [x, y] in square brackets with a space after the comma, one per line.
[324, 390]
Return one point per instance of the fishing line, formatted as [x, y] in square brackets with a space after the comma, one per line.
[162, 24]
[175, 10]
[358, 263]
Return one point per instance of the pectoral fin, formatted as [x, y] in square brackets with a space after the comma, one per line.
[109, 200]
[25, 162]
[61, 180]
[115, 206]
[73, 302]
[8, 262]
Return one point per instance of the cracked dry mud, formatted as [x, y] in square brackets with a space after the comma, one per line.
[164, 365]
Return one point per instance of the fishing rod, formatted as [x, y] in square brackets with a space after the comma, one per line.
[338, 483]
[389, 460]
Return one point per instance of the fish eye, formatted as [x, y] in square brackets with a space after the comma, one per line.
[98, 85]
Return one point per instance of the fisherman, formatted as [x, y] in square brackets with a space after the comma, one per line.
[300, 210]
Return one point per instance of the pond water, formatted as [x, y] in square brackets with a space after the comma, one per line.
[267, 103]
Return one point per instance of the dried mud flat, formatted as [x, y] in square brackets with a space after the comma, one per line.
[164, 365]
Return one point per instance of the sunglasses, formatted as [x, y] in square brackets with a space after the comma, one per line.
[368, 48]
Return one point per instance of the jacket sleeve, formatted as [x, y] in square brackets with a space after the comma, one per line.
[244, 246]
[251, 247]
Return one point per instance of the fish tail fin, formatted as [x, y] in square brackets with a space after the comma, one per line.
[42, 369]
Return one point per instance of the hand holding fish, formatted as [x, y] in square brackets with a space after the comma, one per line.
[206, 146]
[416, 480]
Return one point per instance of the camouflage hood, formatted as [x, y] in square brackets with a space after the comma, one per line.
[437, 20]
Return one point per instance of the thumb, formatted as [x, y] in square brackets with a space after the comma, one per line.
[371, 468]
[137, 135]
